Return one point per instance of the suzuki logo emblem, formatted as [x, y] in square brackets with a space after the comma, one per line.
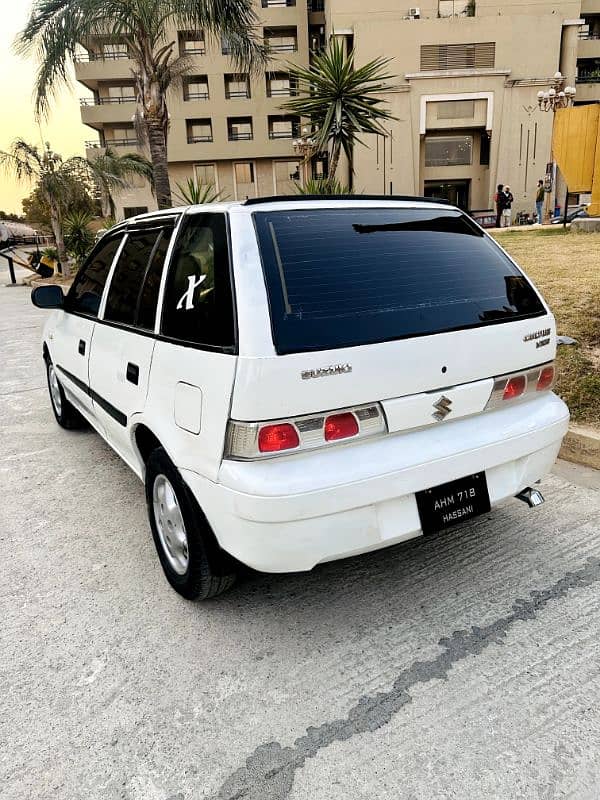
[443, 408]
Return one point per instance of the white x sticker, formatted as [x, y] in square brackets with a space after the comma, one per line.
[187, 298]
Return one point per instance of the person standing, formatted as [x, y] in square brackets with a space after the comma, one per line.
[506, 210]
[539, 201]
[499, 201]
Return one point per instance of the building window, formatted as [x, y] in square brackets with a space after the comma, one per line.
[199, 130]
[456, 8]
[477, 55]
[195, 87]
[237, 86]
[192, 43]
[121, 137]
[114, 51]
[244, 179]
[279, 84]
[456, 109]
[239, 128]
[281, 40]
[588, 70]
[206, 174]
[282, 127]
[316, 5]
[133, 211]
[448, 151]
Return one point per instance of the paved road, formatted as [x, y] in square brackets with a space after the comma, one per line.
[461, 666]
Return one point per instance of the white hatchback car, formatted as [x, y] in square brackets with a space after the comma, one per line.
[298, 380]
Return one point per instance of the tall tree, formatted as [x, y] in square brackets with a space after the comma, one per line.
[53, 178]
[57, 27]
[341, 101]
[111, 171]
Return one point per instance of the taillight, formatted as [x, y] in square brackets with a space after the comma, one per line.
[253, 440]
[274, 438]
[521, 384]
[546, 378]
[515, 387]
[340, 426]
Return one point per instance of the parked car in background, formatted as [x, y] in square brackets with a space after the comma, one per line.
[303, 379]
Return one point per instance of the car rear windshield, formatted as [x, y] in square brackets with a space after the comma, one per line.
[339, 277]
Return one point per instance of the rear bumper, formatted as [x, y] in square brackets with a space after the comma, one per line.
[288, 514]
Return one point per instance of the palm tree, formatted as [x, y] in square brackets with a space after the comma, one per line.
[340, 101]
[57, 27]
[195, 193]
[111, 171]
[52, 176]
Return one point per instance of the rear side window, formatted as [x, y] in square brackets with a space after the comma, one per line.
[86, 292]
[348, 276]
[198, 306]
[134, 286]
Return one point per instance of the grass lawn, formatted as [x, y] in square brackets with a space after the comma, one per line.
[566, 269]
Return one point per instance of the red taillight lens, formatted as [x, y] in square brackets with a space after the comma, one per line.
[546, 379]
[340, 426]
[273, 438]
[515, 387]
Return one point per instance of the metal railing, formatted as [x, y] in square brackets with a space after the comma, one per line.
[591, 78]
[288, 47]
[199, 139]
[120, 142]
[93, 145]
[193, 51]
[106, 101]
[240, 137]
[589, 35]
[84, 58]
[196, 95]
[289, 92]
[284, 134]
[232, 94]
[275, 3]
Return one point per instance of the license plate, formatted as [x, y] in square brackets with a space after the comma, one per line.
[450, 503]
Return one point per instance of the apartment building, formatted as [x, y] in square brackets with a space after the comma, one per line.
[464, 97]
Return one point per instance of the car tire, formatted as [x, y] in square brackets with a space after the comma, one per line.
[65, 412]
[191, 559]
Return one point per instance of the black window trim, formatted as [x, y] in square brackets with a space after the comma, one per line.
[159, 337]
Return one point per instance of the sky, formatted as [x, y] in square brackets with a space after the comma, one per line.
[63, 128]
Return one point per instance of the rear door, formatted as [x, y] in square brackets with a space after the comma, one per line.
[124, 339]
[394, 304]
[71, 339]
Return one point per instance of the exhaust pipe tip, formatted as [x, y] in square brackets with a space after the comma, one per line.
[533, 497]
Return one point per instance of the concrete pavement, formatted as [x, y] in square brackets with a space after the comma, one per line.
[463, 665]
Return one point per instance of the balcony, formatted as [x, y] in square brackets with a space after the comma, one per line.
[195, 87]
[282, 127]
[86, 58]
[281, 40]
[279, 84]
[588, 70]
[122, 142]
[191, 43]
[239, 129]
[237, 86]
[199, 131]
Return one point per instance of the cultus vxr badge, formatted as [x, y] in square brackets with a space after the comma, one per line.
[541, 337]
[325, 372]
[443, 408]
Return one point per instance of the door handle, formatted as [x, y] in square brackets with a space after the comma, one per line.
[81, 347]
[133, 373]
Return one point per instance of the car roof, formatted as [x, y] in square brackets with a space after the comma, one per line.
[288, 202]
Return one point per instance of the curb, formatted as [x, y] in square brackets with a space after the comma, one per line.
[581, 446]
